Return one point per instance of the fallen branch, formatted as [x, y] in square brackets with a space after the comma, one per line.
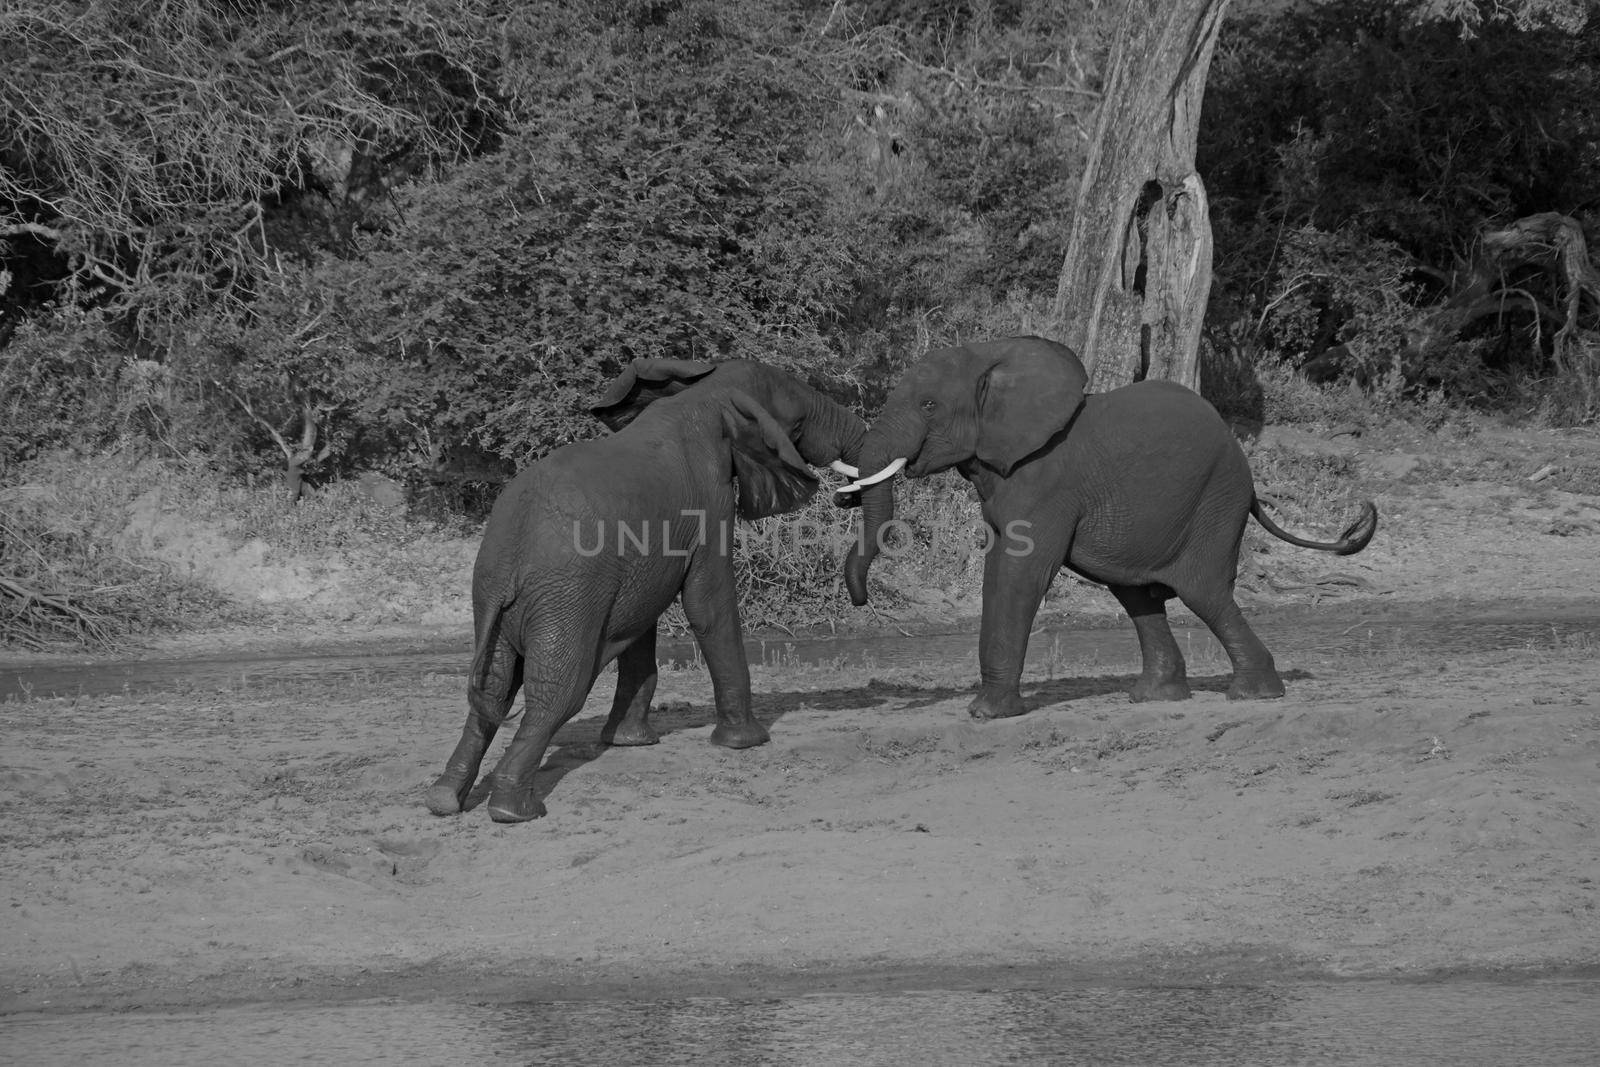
[30, 611]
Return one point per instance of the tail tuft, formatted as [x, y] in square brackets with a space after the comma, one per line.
[1358, 534]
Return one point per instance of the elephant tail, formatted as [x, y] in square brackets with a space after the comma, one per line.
[1356, 536]
[485, 643]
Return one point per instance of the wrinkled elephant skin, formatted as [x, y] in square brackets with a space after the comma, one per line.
[1143, 489]
[584, 551]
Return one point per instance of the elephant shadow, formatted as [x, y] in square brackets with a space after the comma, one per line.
[876, 693]
[573, 746]
[1062, 690]
[578, 743]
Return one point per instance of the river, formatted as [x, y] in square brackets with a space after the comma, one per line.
[1459, 1023]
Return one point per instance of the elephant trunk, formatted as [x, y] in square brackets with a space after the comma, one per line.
[831, 435]
[891, 438]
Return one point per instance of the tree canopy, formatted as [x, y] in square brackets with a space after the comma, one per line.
[369, 232]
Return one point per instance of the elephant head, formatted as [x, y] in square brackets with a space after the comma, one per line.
[773, 478]
[993, 403]
[824, 432]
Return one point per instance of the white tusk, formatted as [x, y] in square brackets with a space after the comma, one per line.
[888, 472]
[845, 469]
[873, 479]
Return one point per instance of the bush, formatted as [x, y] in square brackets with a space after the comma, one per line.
[64, 579]
[59, 387]
[955, 163]
[516, 214]
[1356, 152]
[789, 567]
[161, 154]
[650, 204]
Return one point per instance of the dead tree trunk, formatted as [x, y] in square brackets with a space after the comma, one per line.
[1137, 274]
[1557, 242]
[1553, 243]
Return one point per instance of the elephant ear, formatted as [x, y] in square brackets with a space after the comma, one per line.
[773, 478]
[642, 383]
[1028, 395]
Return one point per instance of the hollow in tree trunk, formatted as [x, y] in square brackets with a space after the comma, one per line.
[1137, 274]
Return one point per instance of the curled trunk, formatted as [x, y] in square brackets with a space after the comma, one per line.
[893, 437]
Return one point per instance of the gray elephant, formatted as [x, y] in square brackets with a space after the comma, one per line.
[584, 550]
[1142, 488]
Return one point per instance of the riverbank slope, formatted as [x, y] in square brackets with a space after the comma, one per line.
[1402, 811]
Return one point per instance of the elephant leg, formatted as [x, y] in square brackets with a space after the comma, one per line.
[713, 611]
[1255, 675]
[636, 684]
[550, 700]
[489, 697]
[1013, 586]
[1163, 677]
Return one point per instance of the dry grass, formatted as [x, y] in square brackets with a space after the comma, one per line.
[63, 580]
[338, 516]
[69, 581]
[789, 567]
[1312, 492]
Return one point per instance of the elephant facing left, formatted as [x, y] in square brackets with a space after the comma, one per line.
[585, 549]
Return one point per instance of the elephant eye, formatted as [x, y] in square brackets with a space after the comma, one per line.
[929, 406]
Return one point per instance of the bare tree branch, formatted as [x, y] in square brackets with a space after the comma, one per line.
[132, 133]
[15, 229]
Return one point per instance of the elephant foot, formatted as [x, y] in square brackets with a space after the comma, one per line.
[446, 796]
[1149, 689]
[519, 805]
[740, 735]
[630, 733]
[990, 705]
[1256, 685]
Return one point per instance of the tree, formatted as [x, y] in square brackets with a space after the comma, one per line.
[156, 156]
[283, 369]
[1137, 275]
[652, 199]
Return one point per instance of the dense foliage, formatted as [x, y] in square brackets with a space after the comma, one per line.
[651, 203]
[1356, 155]
[367, 235]
[457, 241]
[156, 156]
[260, 235]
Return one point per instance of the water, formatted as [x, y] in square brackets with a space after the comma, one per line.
[1056, 648]
[1458, 1023]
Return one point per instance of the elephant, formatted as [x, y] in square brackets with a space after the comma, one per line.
[585, 549]
[1143, 489]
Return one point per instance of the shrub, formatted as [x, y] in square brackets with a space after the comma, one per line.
[64, 579]
[957, 157]
[789, 567]
[59, 387]
[1355, 151]
[159, 153]
[649, 204]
